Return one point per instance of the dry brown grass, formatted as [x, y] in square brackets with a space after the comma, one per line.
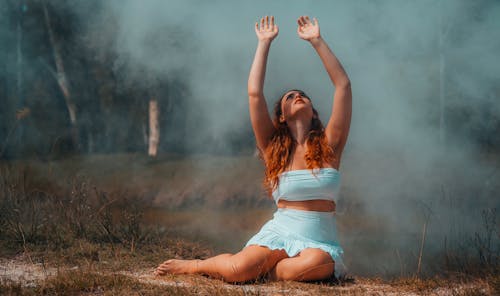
[88, 283]
[96, 278]
[80, 214]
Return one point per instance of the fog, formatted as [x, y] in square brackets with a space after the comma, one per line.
[395, 164]
[390, 50]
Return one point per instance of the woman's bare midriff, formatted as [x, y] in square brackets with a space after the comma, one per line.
[318, 205]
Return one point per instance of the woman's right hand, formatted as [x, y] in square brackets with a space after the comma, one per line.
[268, 30]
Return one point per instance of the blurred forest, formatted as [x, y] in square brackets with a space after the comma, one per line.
[61, 95]
[423, 95]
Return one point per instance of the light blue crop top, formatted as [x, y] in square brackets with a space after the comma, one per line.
[301, 185]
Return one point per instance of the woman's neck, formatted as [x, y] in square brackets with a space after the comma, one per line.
[300, 130]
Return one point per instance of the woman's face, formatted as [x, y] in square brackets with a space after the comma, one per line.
[295, 103]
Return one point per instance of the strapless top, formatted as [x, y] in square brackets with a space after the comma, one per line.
[299, 185]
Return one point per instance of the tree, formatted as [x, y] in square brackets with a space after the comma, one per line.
[61, 77]
[154, 127]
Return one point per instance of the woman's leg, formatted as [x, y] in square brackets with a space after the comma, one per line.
[248, 264]
[309, 265]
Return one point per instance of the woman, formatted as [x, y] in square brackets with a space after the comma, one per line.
[302, 171]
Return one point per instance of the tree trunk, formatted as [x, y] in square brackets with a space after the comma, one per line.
[19, 61]
[442, 126]
[62, 79]
[145, 134]
[21, 104]
[154, 128]
[441, 77]
[443, 31]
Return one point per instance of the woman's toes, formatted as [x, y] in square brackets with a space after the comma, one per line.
[177, 267]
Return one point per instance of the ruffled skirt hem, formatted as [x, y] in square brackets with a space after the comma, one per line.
[275, 237]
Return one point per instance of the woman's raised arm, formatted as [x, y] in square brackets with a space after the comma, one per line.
[262, 124]
[338, 126]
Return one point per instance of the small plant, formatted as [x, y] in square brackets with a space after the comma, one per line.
[20, 115]
[484, 242]
[31, 215]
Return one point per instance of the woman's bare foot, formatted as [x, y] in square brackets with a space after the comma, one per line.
[174, 266]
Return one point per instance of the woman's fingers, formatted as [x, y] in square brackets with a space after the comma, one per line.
[309, 21]
[300, 22]
[305, 20]
[267, 29]
[274, 26]
[266, 24]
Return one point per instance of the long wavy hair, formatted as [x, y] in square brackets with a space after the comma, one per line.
[279, 151]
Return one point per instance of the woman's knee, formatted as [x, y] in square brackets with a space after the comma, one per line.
[310, 265]
[317, 272]
[305, 273]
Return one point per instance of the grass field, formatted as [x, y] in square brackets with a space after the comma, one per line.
[100, 224]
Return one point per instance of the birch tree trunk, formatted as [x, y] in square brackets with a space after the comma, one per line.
[441, 75]
[19, 60]
[62, 78]
[442, 126]
[443, 32]
[154, 128]
[18, 136]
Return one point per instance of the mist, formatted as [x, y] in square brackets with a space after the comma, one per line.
[402, 167]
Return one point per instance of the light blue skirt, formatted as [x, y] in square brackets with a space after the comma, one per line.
[295, 230]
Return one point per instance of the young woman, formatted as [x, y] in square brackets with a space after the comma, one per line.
[302, 160]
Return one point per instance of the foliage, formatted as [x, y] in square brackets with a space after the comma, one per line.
[57, 218]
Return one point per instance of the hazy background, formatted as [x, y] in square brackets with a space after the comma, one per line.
[194, 56]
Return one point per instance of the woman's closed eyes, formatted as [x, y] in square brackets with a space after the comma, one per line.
[301, 93]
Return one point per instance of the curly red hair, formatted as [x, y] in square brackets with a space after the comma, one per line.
[278, 153]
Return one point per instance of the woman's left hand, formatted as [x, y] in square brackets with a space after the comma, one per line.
[308, 30]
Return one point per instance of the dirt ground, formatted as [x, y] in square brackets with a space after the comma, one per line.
[20, 270]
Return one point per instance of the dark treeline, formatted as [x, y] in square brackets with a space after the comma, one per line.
[110, 113]
[59, 94]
